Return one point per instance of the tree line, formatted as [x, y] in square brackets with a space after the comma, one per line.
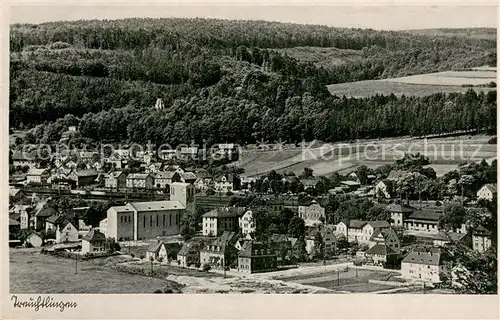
[225, 82]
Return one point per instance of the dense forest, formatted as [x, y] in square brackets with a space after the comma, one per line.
[231, 81]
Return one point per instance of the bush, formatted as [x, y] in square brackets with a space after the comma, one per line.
[59, 45]
[206, 267]
[141, 256]
[492, 140]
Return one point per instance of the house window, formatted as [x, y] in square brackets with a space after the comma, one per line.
[170, 220]
[150, 220]
[157, 220]
[163, 220]
[144, 221]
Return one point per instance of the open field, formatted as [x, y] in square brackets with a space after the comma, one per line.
[352, 280]
[32, 272]
[445, 154]
[418, 85]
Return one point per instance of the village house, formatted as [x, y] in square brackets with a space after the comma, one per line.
[423, 264]
[20, 213]
[366, 191]
[360, 231]
[280, 245]
[246, 223]
[22, 159]
[222, 219]
[154, 167]
[256, 257]
[225, 149]
[87, 155]
[35, 240]
[164, 179]
[443, 238]
[384, 189]
[203, 184]
[188, 153]
[40, 214]
[188, 255]
[116, 180]
[309, 183]
[381, 253]
[83, 177]
[423, 221]
[157, 251]
[37, 176]
[328, 237]
[116, 161]
[384, 246]
[188, 177]
[53, 222]
[487, 192]
[221, 252]
[140, 181]
[66, 232]
[168, 154]
[387, 237]
[350, 185]
[225, 183]
[481, 239]
[16, 194]
[312, 213]
[93, 241]
[399, 213]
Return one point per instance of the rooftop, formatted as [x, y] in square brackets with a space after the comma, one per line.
[225, 212]
[36, 172]
[94, 235]
[427, 215]
[380, 249]
[157, 205]
[393, 207]
[138, 176]
[423, 257]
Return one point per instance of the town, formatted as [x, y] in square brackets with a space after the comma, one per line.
[154, 210]
[162, 153]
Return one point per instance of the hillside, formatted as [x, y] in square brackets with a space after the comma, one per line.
[479, 33]
[239, 81]
[445, 154]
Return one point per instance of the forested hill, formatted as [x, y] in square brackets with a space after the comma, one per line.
[232, 81]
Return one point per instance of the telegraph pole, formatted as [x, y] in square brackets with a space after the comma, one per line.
[76, 263]
[224, 266]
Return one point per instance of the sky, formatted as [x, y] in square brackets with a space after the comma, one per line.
[375, 14]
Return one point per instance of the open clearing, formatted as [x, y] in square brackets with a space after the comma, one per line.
[33, 272]
[351, 280]
[418, 85]
[445, 154]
